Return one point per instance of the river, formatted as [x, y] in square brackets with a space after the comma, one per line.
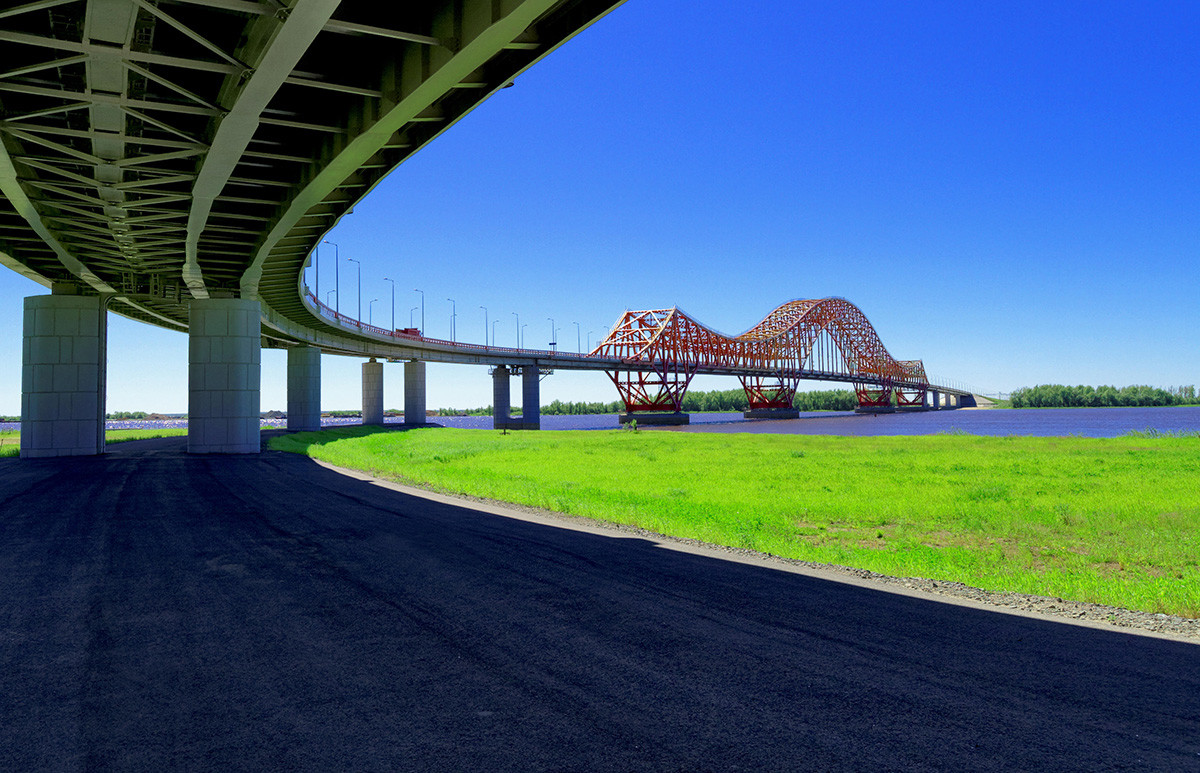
[1086, 422]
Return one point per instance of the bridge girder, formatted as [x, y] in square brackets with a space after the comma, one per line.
[162, 151]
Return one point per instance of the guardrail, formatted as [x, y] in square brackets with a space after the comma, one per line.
[602, 363]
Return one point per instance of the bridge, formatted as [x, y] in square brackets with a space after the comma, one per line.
[177, 162]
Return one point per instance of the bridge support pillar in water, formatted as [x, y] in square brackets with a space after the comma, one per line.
[304, 388]
[63, 367]
[935, 400]
[531, 400]
[372, 392]
[224, 350]
[414, 393]
[655, 419]
[772, 413]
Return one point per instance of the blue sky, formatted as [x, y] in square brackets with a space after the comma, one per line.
[1009, 191]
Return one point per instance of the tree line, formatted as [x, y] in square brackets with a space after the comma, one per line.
[728, 400]
[1060, 396]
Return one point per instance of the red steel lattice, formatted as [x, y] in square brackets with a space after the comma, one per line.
[803, 339]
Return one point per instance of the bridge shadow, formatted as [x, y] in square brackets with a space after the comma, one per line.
[269, 612]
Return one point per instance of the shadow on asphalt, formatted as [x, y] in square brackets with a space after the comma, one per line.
[162, 610]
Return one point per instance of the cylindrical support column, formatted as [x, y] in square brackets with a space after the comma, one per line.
[304, 388]
[414, 393]
[63, 363]
[501, 390]
[531, 401]
[224, 350]
[372, 392]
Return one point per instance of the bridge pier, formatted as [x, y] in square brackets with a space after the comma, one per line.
[501, 391]
[224, 351]
[771, 413]
[304, 388]
[655, 419]
[63, 374]
[935, 402]
[372, 392]
[531, 400]
[414, 393]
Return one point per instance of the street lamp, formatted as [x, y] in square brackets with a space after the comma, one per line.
[578, 348]
[410, 311]
[422, 292]
[393, 281]
[522, 344]
[518, 316]
[553, 340]
[485, 324]
[590, 339]
[371, 311]
[337, 275]
[327, 294]
[494, 321]
[453, 317]
[358, 316]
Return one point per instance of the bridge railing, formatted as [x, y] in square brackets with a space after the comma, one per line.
[400, 335]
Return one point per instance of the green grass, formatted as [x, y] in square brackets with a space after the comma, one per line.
[1113, 521]
[10, 440]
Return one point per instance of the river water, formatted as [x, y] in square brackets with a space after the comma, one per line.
[1086, 422]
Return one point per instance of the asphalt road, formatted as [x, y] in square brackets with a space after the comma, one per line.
[228, 613]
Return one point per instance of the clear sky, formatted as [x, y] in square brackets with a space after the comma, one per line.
[1009, 190]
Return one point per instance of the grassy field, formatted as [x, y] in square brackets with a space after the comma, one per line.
[10, 440]
[1114, 521]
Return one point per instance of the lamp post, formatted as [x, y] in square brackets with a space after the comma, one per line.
[393, 281]
[553, 340]
[327, 294]
[317, 269]
[518, 316]
[522, 345]
[453, 317]
[485, 324]
[578, 348]
[590, 339]
[422, 292]
[410, 311]
[358, 316]
[494, 321]
[371, 311]
[337, 275]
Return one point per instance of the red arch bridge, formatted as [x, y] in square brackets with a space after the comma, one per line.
[826, 339]
[652, 356]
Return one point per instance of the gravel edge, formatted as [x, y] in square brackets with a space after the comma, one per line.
[1077, 611]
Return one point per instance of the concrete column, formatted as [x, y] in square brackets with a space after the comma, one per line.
[63, 366]
[224, 350]
[372, 388]
[501, 403]
[936, 403]
[414, 393]
[531, 401]
[304, 388]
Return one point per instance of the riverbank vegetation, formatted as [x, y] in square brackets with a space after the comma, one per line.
[1060, 396]
[10, 440]
[727, 400]
[1113, 521]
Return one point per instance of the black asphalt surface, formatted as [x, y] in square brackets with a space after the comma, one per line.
[160, 611]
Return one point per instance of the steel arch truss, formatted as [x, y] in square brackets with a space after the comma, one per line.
[821, 339]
